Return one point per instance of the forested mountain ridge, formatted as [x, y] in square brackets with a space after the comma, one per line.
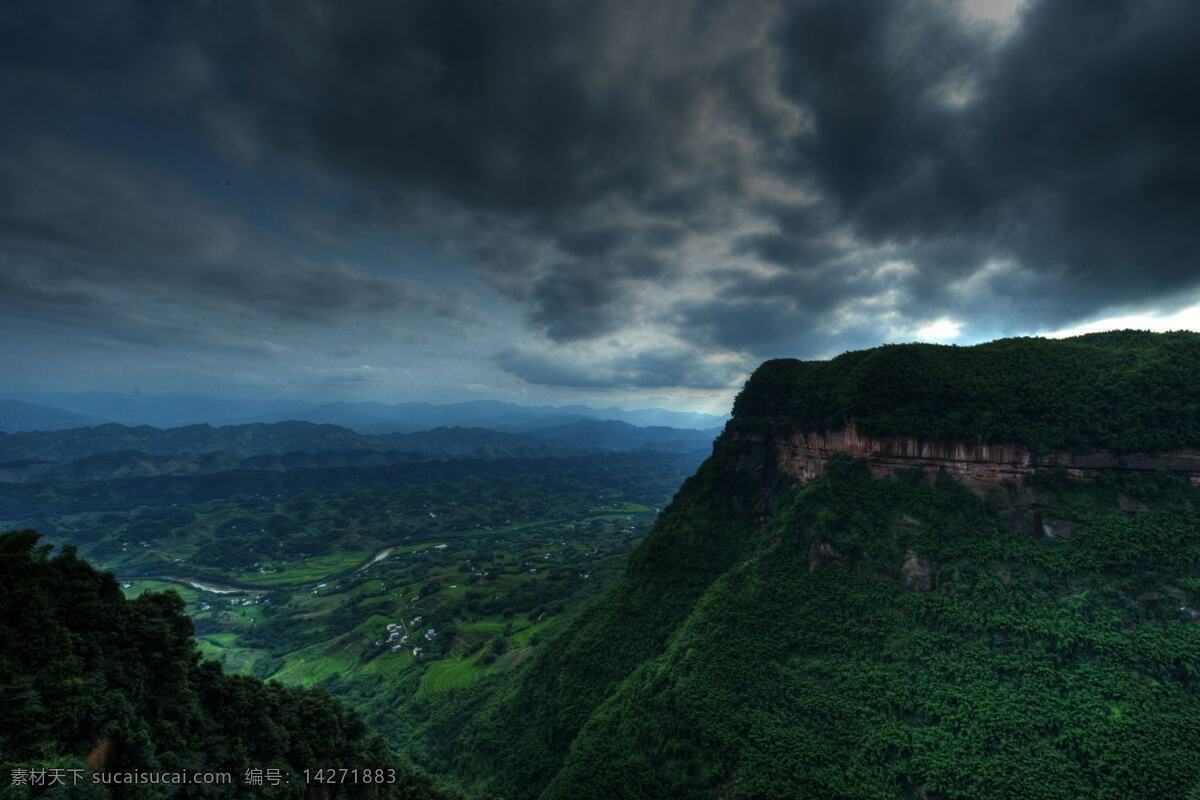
[133, 464]
[857, 635]
[202, 448]
[239, 440]
[1122, 391]
[170, 411]
[92, 680]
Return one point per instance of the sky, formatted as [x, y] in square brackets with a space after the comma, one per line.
[606, 201]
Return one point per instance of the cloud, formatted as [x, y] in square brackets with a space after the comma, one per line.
[576, 149]
[707, 183]
[939, 330]
[79, 228]
[1186, 318]
[648, 369]
[936, 143]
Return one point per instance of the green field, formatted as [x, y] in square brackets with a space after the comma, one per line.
[306, 571]
[442, 676]
[322, 620]
[138, 587]
[223, 649]
[312, 665]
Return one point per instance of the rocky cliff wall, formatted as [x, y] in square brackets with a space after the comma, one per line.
[997, 472]
[804, 455]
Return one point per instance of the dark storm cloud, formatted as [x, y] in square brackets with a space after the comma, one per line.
[753, 178]
[1093, 122]
[648, 369]
[1076, 154]
[592, 130]
[874, 78]
[75, 225]
[1064, 151]
[1067, 148]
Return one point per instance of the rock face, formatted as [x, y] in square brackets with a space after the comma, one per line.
[823, 553]
[916, 573]
[980, 466]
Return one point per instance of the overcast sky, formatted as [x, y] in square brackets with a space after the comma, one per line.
[630, 202]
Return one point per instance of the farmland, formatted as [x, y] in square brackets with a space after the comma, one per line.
[298, 581]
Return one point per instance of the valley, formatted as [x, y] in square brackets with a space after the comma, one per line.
[390, 585]
[475, 588]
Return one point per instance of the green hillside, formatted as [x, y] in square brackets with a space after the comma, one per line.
[856, 637]
[88, 678]
[1035, 668]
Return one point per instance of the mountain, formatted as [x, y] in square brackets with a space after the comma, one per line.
[179, 410]
[1124, 391]
[94, 681]
[116, 451]
[459, 442]
[261, 439]
[442, 443]
[170, 410]
[18, 416]
[651, 417]
[401, 417]
[915, 571]
[615, 435]
[123, 464]
[240, 440]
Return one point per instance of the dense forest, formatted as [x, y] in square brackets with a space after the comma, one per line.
[893, 639]
[91, 680]
[865, 637]
[1124, 391]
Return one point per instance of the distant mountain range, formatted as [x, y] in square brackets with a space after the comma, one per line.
[16, 415]
[57, 411]
[382, 417]
[594, 434]
[239, 440]
[117, 451]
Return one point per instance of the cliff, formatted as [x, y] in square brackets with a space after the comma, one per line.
[805, 624]
[997, 472]
[989, 416]
[977, 465]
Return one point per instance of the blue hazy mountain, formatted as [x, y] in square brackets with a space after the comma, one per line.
[383, 417]
[114, 450]
[169, 410]
[16, 415]
[176, 410]
[594, 434]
